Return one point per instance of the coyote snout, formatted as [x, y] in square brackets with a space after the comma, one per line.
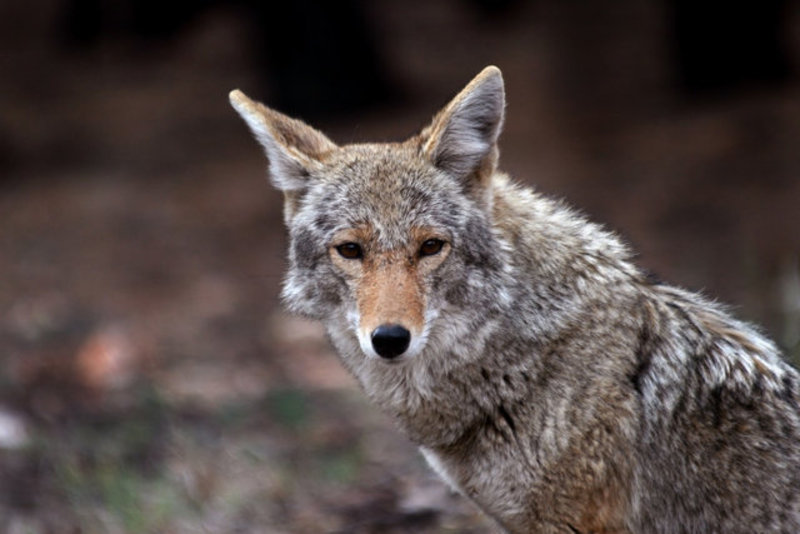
[391, 317]
[390, 307]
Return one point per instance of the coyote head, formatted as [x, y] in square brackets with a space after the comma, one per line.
[388, 239]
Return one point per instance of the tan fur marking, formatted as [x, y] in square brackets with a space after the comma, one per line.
[603, 504]
[740, 338]
[604, 512]
[391, 292]
[761, 367]
[724, 330]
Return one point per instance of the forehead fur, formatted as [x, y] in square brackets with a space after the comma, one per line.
[390, 186]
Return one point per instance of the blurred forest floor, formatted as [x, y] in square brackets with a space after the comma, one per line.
[149, 381]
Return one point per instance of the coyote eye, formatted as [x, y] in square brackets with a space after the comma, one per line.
[431, 247]
[350, 251]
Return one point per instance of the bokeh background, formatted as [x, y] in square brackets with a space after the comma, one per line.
[149, 381]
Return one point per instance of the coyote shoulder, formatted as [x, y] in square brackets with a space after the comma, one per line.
[540, 371]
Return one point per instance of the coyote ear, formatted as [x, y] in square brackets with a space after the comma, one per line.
[293, 148]
[462, 139]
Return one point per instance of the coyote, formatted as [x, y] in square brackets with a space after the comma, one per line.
[543, 375]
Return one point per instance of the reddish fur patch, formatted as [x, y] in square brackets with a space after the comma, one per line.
[604, 512]
[390, 292]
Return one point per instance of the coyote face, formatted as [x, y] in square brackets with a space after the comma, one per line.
[390, 237]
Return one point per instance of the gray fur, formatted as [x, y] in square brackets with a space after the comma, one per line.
[555, 385]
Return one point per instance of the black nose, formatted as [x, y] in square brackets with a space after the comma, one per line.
[390, 340]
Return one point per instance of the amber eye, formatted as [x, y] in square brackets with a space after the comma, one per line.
[431, 247]
[350, 251]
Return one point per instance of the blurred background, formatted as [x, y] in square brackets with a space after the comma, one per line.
[149, 381]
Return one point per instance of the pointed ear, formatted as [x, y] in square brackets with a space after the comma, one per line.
[462, 139]
[293, 148]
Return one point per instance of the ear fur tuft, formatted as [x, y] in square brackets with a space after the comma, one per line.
[463, 136]
[293, 148]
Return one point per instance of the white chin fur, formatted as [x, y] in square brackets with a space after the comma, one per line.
[366, 345]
